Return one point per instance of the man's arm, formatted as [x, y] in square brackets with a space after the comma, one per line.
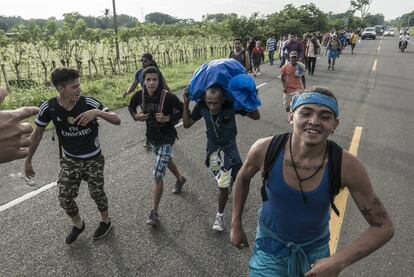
[254, 163]
[35, 139]
[380, 230]
[304, 81]
[131, 88]
[187, 121]
[84, 118]
[283, 80]
[247, 60]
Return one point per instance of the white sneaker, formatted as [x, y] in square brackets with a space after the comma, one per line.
[219, 224]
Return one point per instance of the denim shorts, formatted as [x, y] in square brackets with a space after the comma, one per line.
[267, 265]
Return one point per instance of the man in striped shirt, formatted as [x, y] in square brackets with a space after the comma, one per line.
[75, 118]
[270, 48]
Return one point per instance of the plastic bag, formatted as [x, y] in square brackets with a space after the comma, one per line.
[223, 72]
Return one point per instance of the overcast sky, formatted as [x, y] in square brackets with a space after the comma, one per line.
[185, 8]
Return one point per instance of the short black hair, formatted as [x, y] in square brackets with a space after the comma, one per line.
[322, 90]
[239, 39]
[61, 76]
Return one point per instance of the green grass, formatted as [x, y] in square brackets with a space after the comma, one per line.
[108, 90]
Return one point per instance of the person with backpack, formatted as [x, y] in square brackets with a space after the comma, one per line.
[311, 53]
[302, 172]
[240, 54]
[333, 48]
[146, 60]
[75, 119]
[223, 156]
[160, 110]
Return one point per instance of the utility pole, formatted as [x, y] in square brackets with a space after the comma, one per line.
[116, 37]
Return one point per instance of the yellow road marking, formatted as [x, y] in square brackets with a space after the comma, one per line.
[335, 223]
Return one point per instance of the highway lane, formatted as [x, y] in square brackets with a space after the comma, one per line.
[33, 231]
[388, 152]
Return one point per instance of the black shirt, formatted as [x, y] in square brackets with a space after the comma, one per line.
[79, 142]
[158, 133]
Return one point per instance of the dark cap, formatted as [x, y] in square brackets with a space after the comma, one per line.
[293, 54]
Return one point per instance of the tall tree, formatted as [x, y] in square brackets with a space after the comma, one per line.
[361, 6]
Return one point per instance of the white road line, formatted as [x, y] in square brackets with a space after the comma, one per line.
[51, 185]
[374, 66]
[379, 48]
[26, 196]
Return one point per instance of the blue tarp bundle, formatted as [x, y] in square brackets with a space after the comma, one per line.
[230, 75]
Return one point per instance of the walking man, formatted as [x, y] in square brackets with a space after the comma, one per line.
[223, 157]
[332, 48]
[240, 54]
[293, 223]
[293, 79]
[270, 47]
[75, 118]
[160, 110]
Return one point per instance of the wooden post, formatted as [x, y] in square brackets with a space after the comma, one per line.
[3, 69]
[89, 69]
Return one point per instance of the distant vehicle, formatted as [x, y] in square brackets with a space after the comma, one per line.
[388, 33]
[369, 32]
[379, 29]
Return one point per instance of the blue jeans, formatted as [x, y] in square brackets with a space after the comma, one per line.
[271, 56]
[267, 265]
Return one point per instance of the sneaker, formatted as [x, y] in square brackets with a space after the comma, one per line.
[178, 186]
[73, 235]
[153, 218]
[219, 223]
[102, 230]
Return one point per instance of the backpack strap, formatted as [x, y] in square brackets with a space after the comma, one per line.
[162, 100]
[335, 163]
[273, 151]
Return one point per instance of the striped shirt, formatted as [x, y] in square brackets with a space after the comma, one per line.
[271, 44]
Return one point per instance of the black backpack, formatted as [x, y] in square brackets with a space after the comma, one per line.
[334, 163]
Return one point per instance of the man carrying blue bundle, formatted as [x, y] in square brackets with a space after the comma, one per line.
[223, 157]
[302, 172]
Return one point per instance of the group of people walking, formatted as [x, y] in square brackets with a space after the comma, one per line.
[299, 168]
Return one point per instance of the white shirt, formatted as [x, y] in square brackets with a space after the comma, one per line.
[405, 37]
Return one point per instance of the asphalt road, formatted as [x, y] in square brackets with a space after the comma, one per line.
[378, 98]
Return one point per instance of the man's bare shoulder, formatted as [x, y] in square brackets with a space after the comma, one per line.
[258, 150]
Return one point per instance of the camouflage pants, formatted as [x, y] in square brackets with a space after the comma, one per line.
[72, 172]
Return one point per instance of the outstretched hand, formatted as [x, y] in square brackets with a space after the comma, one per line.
[14, 135]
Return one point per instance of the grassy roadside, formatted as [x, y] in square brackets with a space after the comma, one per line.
[108, 90]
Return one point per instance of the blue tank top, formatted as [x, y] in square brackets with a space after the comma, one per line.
[286, 214]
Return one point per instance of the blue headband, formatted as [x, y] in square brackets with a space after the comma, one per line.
[315, 98]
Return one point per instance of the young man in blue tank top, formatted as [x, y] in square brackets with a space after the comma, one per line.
[293, 225]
